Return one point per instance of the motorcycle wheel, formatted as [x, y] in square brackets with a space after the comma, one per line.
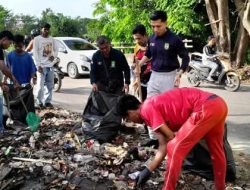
[192, 78]
[57, 82]
[231, 82]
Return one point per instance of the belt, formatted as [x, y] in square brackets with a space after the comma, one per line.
[212, 97]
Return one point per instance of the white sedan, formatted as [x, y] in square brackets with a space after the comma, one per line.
[75, 55]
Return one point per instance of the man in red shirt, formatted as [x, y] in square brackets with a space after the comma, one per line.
[180, 118]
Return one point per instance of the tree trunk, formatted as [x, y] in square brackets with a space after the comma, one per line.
[224, 30]
[217, 10]
[246, 18]
[244, 40]
[236, 46]
[212, 15]
[244, 12]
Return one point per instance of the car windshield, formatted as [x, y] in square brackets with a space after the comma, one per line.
[79, 45]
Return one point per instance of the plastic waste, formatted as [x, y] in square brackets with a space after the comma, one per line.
[96, 147]
[32, 141]
[8, 151]
[33, 121]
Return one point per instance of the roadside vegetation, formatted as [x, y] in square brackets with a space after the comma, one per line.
[229, 21]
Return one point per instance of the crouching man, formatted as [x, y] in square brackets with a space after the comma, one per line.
[180, 118]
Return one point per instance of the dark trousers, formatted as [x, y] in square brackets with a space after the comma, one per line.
[118, 90]
[144, 92]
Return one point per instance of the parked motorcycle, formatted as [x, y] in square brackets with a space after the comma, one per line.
[58, 75]
[198, 72]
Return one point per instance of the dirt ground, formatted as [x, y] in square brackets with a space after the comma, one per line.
[243, 170]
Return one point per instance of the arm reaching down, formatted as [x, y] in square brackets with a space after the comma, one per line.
[164, 135]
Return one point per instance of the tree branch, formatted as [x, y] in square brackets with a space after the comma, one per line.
[213, 22]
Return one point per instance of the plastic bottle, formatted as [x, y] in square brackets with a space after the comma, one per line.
[32, 141]
[96, 147]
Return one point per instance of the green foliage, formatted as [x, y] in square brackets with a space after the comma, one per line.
[60, 25]
[5, 16]
[94, 28]
[183, 17]
[123, 15]
[27, 23]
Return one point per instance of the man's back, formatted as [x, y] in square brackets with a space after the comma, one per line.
[173, 107]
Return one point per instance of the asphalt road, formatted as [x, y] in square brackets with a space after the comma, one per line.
[74, 95]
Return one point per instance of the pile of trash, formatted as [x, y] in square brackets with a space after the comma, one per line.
[60, 156]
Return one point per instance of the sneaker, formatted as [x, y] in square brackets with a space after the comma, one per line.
[210, 79]
[39, 106]
[152, 143]
[48, 105]
[145, 129]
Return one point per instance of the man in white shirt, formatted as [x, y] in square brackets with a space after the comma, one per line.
[45, 51]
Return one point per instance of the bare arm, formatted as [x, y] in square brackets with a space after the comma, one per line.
[160, 154]
[164, 135]
[36, 52]
[143, 60]
[30, 46]
[6, 71]
[177, 80]
[138, 66]
[55, 48]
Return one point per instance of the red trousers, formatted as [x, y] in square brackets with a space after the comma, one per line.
[206, 122]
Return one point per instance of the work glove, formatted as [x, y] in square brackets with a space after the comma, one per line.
[143, 177]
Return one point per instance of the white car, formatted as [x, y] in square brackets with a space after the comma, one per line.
[75, 55]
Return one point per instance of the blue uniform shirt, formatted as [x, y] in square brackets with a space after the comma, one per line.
[164, 51]
[22, 66]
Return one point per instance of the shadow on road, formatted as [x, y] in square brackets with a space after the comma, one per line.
[78, 91]
[241, 146]
[240, 114]
[243, 88]
[83, 77]
[239, 134]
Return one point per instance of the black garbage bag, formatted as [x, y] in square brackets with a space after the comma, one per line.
[100, 120]
[199, 162]
[15, 109]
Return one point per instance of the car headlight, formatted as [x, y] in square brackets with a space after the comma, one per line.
[85, 58]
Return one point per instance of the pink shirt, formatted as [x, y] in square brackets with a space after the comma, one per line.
[172, 107]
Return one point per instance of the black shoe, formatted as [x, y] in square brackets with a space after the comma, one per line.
[39, 106]
[152, 143]
[146, 129]
[48, 105]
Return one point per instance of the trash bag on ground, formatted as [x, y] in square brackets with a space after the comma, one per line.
[100, 120]
[15, 109]
[199, 162]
